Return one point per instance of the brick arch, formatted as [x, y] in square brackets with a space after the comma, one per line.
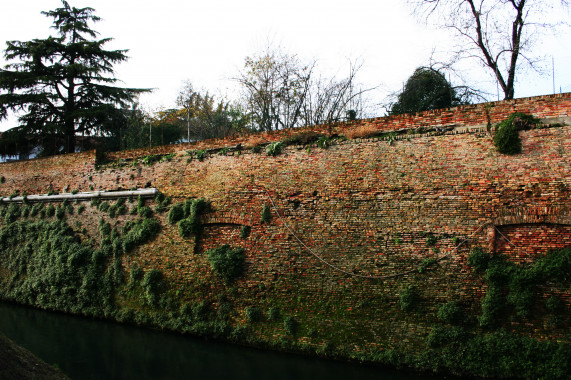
[527, 241]
[533, 215]
[525, 233]
[228, 218]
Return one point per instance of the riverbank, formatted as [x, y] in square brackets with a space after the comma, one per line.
[19, 364]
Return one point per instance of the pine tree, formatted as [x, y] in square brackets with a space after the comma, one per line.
[63, 86]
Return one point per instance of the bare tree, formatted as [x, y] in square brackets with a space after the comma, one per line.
[332, 99]
[500, 34]
[275, 86]
[280, 91]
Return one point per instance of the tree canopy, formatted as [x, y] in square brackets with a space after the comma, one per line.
[426, 89]
[63, 86]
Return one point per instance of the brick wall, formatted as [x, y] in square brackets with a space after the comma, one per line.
[348, 219]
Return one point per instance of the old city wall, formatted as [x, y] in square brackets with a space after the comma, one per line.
[352, 225]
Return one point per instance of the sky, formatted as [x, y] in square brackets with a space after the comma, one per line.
[206, 42]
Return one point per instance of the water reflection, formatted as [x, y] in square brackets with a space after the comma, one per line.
[87, 349]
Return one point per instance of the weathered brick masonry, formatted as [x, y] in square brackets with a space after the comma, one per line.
[366, 210]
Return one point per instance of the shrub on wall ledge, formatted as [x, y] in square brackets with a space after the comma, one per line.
[506, 138]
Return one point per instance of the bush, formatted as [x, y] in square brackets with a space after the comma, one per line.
[408, 299]
[554, 304]
[506, 138]
[50, 211]
[200, 155]
[197, 207]
[60, 212]
[291, 325]
[492, 307]
[479, 259]
[145, 212]
[226, 262]
[36, 209]
[104, 228]
[104, 206]
[274, 314]
[441, 335]
[302, 138]
[245, 231]
[274, 149]
[153, 285]
[176, 213]
[450, 312]
[323, 142]
[266, 214]
[13, 213]
[431, 240]
[188, 227]
[253, 314]
[139, 233]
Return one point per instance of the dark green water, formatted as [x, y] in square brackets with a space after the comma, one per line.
[87, 349]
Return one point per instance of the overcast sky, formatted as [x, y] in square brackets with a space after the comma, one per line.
[170, 41]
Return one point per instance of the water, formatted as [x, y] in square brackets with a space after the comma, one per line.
[90, 349]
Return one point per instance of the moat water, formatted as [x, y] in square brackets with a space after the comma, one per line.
[93, 349]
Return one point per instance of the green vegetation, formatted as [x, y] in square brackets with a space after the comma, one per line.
[187, 216]
[162, 203]
[517, 284]
[506, 138]
[450, 312]
[226, 262]
[426, 89]
[50, 268]
[431, 240]
[67, 104]
[245, 231]
[253, 314]
[200, 155]
[302, 138]
[291, 325]
[47, 263]
[188, 227]
[154, 286]
[499, 354]
[324, 142]
[424, 264]
[274, 314]
[409, 298]
[266, 214]
[274, 149]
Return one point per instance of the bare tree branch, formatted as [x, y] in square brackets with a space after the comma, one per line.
[499, 31]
